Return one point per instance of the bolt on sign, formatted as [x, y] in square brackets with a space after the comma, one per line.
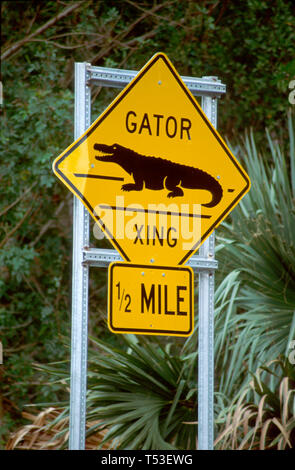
[158, 179]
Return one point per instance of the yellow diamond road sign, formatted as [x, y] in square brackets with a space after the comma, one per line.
[153, 171]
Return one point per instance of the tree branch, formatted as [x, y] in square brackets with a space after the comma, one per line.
[17, 226]
[28, 190]
[126, 31]
[51, 221]
[11, 50]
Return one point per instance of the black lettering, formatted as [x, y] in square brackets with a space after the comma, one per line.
[169, 119]
[167, 312]
[132, 124]
[128, 301]
[172, 125]
[179, 300]
[138, 231]
[156, 234]
[158, 117]
[171, 241]
[147, 300]
[159, 299]
[145, 124]
[186, 127]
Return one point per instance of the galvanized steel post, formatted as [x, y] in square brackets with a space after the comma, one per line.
[80, 275]
[206, 325]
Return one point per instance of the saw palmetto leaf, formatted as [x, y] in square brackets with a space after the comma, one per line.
[262, 247]
[263, 417]
[140, 394]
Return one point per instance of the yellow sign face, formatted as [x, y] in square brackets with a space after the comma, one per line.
[151, 300]
[152, 170]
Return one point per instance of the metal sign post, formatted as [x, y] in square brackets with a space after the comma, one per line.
[206, 326]
[80, 277]
[209, 88]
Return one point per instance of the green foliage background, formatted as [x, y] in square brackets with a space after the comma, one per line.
[249, 45]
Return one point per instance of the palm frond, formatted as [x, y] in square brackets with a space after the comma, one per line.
[140, 394]
[263, 417]
[262, 248]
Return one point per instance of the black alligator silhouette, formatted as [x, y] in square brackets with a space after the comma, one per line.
[157, 173]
